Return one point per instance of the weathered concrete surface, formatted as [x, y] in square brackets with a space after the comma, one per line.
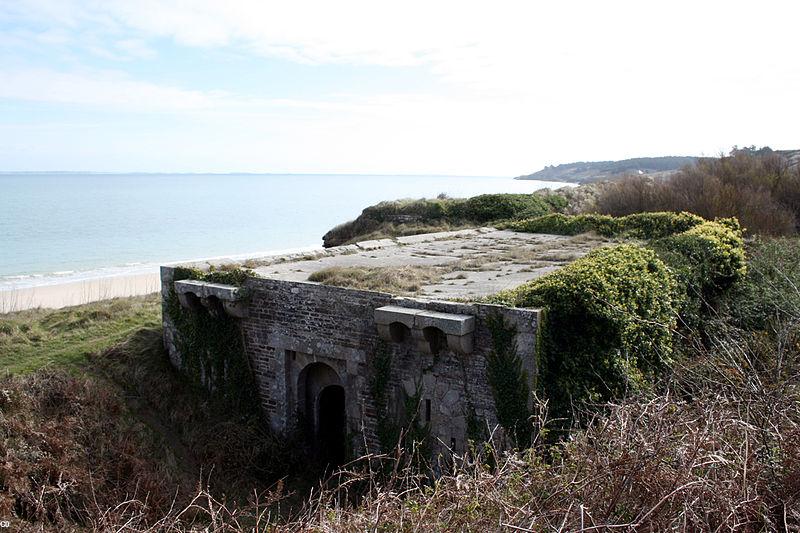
[482, 261]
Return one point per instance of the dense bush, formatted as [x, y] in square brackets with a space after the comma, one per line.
[492, 207]
[560, 224]
[609, 318]
[758, 187]
[610, 315]
[707, 259]
[639, 225]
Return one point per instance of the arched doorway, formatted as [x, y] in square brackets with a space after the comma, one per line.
[321, 399]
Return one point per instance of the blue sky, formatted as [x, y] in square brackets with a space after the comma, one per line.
[480, 88]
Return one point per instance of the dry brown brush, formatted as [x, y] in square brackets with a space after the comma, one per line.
[759, 187]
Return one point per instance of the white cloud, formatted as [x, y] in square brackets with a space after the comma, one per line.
[492, 45]
[519, 83]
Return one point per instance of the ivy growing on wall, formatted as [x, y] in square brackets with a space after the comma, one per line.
[476, 430]
[406, 429]
[211, 345]
[388, 432]
[508, 380]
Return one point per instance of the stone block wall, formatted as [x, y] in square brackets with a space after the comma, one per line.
[290, 326]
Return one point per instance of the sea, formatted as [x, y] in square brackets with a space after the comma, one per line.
[62, 227]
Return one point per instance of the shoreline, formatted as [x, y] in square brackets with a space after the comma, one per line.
[93, 286]
[57, 296]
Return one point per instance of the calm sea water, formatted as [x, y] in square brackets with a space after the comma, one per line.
[59, 227]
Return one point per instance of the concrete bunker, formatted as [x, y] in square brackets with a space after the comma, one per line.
[315, 351]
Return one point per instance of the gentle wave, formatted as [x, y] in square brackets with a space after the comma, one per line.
[27, 281]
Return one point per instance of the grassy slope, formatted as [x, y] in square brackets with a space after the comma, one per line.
[30, 340]
[92, 414]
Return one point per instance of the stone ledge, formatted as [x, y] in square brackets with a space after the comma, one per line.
[194, 294]
[457, 329]
[449, 323]
[393, 313]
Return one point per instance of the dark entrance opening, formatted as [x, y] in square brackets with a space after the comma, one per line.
[331, 425]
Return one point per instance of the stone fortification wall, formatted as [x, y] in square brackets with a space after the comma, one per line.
[302, 337]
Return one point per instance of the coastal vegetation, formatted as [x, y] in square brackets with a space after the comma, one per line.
[30, 340]
[611, 316]
[758, 187]
[409, 217]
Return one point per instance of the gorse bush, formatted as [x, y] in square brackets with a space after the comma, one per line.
[560, 224]
[493, 207]
[422, 209]
[610, 315]
[609, 318]
[639, 225]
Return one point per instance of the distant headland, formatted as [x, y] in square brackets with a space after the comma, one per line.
[591, 171]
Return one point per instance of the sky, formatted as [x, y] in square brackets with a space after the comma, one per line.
[414, 87]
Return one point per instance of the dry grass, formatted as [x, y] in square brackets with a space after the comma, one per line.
[128, 429]
[403, 280]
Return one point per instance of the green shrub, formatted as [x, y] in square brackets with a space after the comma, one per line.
[397, 217]
[560, 224]
[639, 225]
[422, 209]
[609, 317]
[491, 207]
[658, 225]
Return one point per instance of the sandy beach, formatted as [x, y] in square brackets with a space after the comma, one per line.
[78, 292]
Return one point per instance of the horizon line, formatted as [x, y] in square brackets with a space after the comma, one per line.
[103, 172]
